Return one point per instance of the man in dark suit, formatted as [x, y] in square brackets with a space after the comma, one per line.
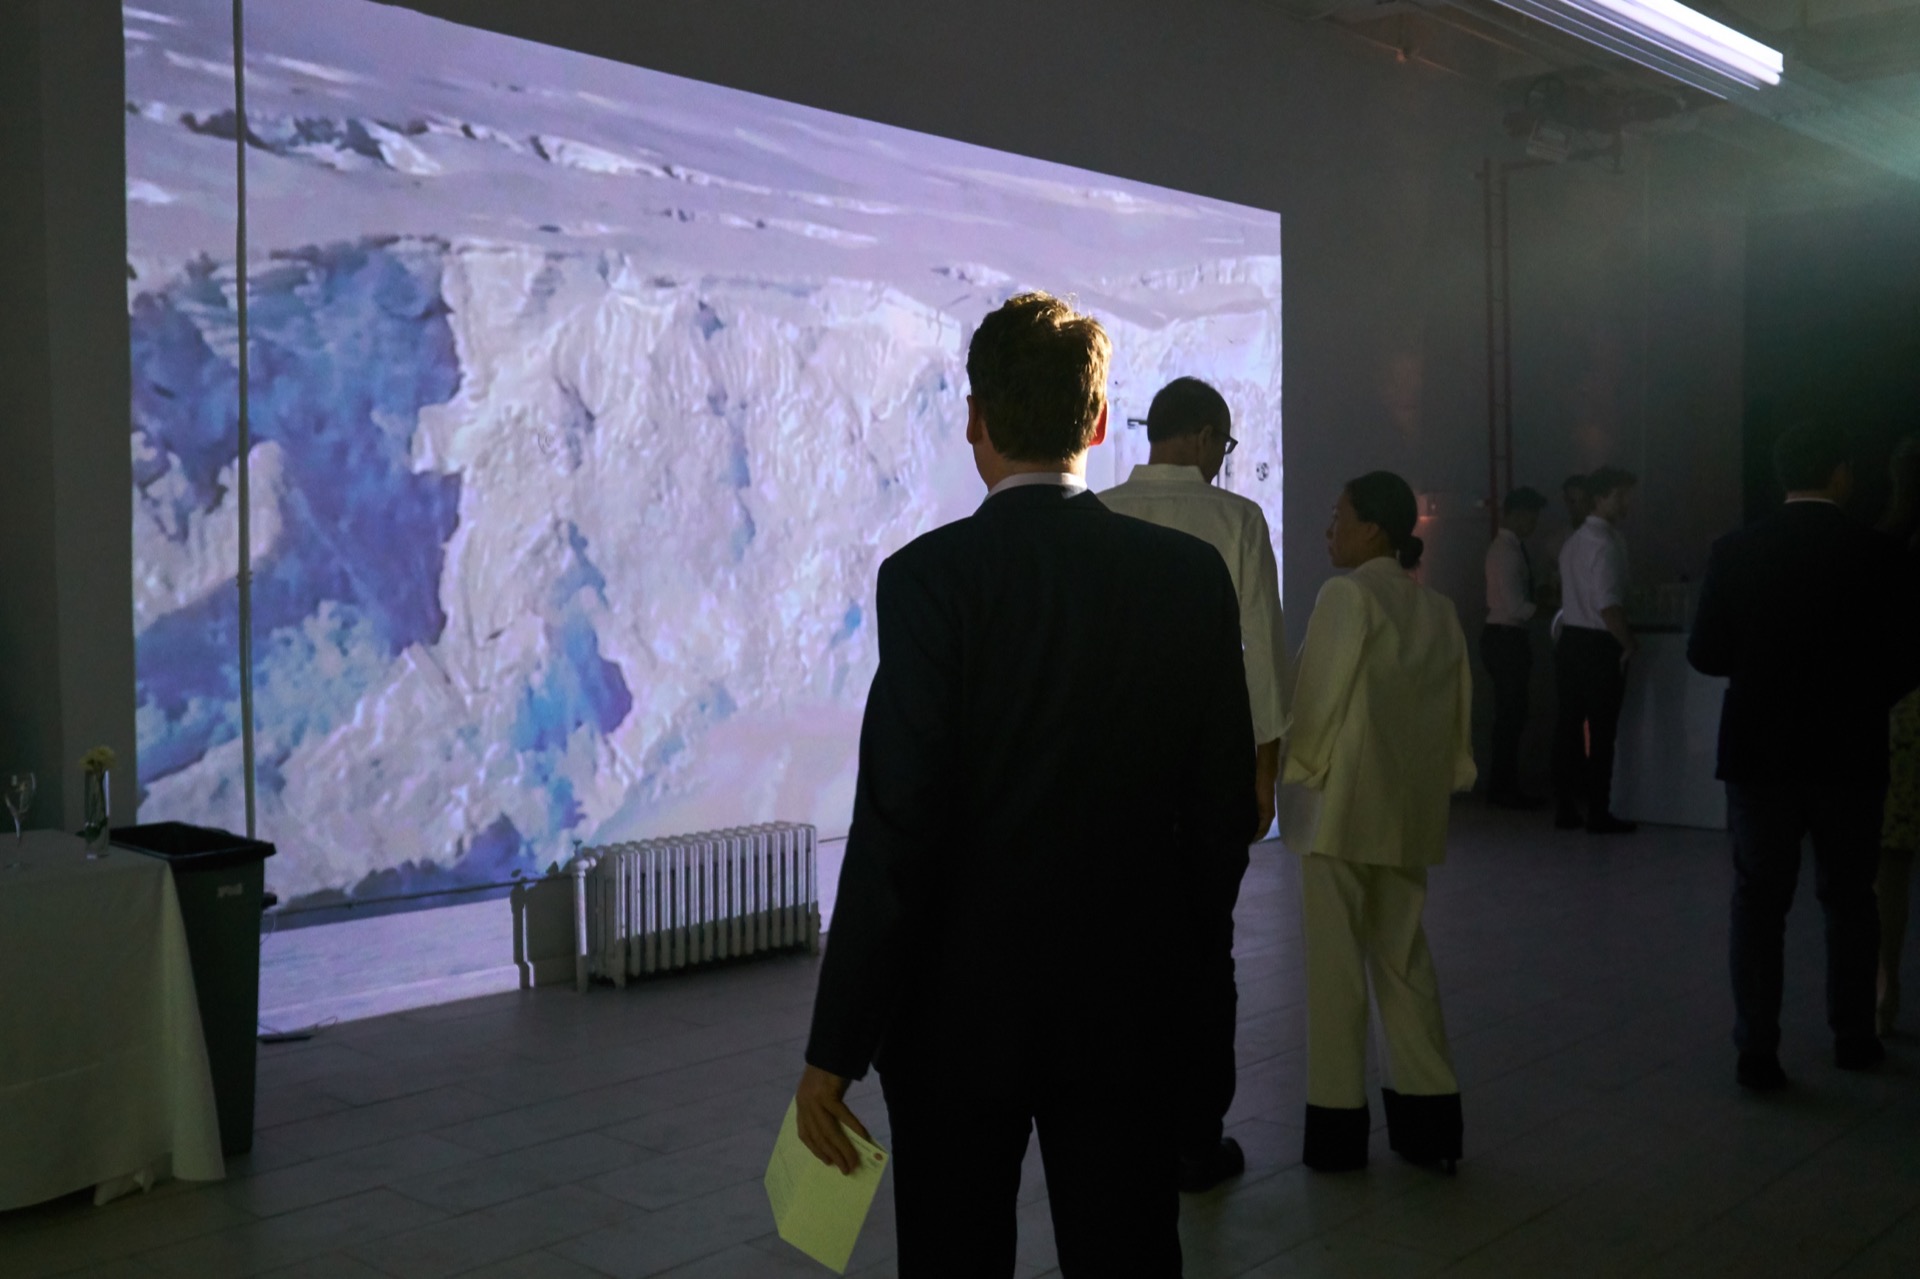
[1811, 617]
[1054, 799]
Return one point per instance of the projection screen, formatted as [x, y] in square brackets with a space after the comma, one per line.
[585, 402]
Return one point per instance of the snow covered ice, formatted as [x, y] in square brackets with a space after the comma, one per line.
[586, 402]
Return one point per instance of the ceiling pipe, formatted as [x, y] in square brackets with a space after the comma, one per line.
[1805, 101]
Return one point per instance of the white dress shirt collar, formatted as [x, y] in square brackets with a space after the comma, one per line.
[1074, 484]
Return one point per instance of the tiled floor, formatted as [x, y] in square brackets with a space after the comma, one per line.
[551, 1135]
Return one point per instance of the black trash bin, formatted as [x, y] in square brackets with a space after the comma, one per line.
[219, 878]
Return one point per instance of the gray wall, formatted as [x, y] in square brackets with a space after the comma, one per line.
[1628, 339]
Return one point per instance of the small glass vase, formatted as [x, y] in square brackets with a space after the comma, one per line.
[95, 811]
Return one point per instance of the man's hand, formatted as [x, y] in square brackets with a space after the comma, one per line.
[1266, 774]
[820, 1111]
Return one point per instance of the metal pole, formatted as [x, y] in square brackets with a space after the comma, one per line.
[1493, 405]
[1506, 318]
[244, 493]
[1646, 309]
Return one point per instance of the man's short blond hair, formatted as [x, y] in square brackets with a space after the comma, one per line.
[1038, 370]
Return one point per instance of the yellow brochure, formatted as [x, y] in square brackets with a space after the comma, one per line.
[818, 1208]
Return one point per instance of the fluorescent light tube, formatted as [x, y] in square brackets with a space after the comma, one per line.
[1665, 35]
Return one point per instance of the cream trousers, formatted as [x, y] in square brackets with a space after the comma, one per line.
[1363, 920]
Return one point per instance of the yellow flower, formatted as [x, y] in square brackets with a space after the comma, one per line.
[98, 760]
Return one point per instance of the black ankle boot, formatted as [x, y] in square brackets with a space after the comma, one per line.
[1336, 1139]
[1424, 1129]
[1202, 1170]
[1760, 1072]
[1858, 1052]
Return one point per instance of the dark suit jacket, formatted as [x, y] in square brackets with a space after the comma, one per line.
[1055, 794]
[1812, 617]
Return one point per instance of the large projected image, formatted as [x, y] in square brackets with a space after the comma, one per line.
[586, 401]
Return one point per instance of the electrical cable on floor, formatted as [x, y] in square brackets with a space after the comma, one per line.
[274, 1035]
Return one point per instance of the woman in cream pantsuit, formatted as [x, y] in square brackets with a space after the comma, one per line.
[1381, 739]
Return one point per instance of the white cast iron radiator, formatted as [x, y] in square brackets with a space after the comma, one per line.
[665, 904]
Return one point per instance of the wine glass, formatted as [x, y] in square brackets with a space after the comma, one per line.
[19, 796]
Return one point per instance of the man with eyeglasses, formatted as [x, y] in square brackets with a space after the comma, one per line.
[1191, 432]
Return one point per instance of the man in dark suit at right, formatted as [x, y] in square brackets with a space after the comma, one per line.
[1051, 818]
[1811, 617]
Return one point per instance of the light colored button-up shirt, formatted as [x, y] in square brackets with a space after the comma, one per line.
[1509, 581]
[1179, 497]
[1593, 574]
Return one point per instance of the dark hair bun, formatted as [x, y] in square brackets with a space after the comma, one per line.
[1383, 498]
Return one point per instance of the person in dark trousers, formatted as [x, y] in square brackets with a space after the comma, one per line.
[1591, 653]
[1054, 800]
[1191, 430]
[1811, 618]
[1506, 643]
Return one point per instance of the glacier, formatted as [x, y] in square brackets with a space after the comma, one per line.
[585, 403]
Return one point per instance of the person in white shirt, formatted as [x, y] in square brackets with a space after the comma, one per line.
[1591, 654]
[1190, 429]
[1506, 644]
[1381, 738]
[1573, 492]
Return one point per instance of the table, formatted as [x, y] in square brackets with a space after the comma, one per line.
[1669, 740]
[103, 1071]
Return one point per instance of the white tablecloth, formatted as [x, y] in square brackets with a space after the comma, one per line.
[1669, 740]
[103, 1072]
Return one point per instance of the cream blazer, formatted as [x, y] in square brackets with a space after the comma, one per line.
[1382, 722]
